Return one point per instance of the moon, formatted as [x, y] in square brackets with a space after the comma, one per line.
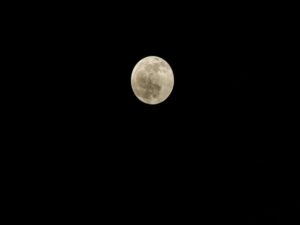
[152, 80]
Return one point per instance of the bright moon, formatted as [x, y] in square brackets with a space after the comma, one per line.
[152, 80]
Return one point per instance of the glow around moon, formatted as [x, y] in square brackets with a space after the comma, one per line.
[152, 80]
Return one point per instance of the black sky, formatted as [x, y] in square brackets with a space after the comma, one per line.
[206, 154]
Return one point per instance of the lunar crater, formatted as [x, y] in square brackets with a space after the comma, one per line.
[149, 88]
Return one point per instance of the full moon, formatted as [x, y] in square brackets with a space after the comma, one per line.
[152, 80]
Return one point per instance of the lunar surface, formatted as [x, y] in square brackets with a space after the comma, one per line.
[152, 80]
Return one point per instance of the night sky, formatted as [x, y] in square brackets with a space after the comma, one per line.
[205, 155]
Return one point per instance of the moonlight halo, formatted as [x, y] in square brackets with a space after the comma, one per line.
[152, 80]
